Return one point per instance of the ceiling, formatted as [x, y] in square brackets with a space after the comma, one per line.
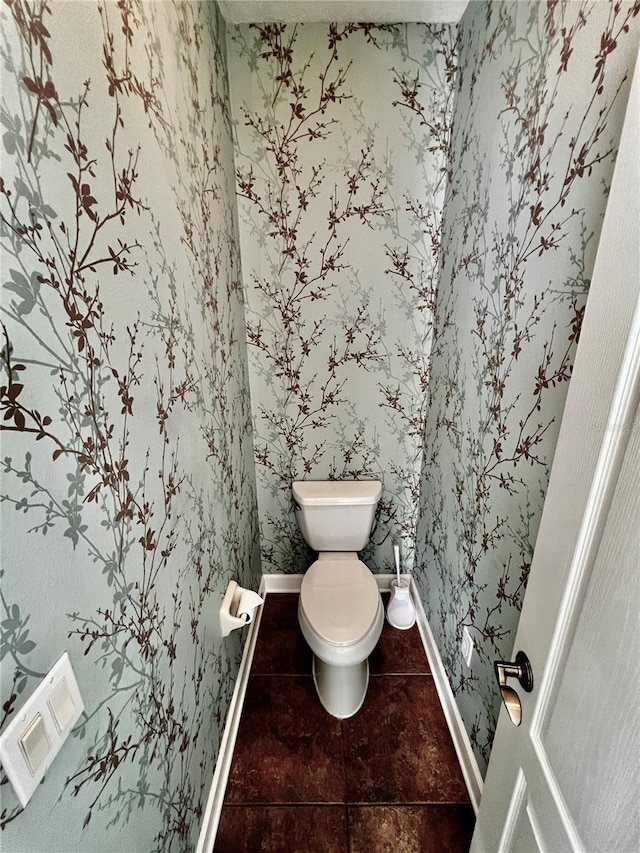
[378, 11]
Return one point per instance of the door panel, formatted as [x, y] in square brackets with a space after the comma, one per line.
[597, 699]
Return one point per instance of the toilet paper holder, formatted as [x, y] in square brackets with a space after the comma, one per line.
[238, 608]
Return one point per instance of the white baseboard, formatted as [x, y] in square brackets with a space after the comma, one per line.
[211, 817]
[461, 742]
[282, 583]
[384, 581]
[291, 583]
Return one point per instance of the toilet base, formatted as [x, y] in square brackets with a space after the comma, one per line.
[341, 689]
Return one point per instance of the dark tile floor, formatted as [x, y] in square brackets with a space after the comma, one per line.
[301, 781]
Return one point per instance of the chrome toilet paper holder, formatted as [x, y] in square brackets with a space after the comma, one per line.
[238, 608]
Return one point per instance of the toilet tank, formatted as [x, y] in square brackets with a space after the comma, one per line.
[336, 515]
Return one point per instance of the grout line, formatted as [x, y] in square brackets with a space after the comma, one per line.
[284, 805]
[336, 803]
[344, 779]
[403, 674]
[411, 805]
[280, 675]
[426, 804]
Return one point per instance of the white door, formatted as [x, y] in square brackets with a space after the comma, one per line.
[568, 778]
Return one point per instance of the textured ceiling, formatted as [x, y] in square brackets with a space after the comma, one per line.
[378, 11]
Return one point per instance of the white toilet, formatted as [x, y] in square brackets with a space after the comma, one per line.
[340, 609]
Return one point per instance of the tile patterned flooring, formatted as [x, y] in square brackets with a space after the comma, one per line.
[301, 781]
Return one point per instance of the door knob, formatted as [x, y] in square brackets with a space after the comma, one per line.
[520, 669]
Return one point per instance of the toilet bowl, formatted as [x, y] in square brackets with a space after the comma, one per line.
[341, 617]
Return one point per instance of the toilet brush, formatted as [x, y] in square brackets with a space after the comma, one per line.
[400, 610]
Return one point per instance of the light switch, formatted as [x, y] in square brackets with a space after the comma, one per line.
[61, 705]
[34, 735]
[35, 743]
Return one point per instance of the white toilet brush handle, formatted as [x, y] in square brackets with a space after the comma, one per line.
[396, 554]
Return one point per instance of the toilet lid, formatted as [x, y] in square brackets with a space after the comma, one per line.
[340, 600]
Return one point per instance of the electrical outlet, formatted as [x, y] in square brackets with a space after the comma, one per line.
[466, 646]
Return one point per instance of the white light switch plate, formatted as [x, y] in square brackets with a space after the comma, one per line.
[66, 708]
[466, 646]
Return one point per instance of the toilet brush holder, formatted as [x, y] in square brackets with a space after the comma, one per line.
[238, 608]
[401, 613]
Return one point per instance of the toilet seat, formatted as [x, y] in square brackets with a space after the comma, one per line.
[340, 600]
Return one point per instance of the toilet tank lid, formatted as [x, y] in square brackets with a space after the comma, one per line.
[336, 492]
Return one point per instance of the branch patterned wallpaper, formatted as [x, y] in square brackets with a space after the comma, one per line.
[419, 209]
[542, 90]
[341, 156]
[128, 486]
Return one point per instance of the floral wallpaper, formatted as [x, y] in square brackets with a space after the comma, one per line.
[128, 487]
[541, 94]
[419, 209]
[342, 140]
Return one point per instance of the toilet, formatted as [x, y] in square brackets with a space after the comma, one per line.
[340, 610]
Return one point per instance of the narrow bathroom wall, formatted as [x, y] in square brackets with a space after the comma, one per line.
[342, 138]
[542, 90]
[128, 489]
